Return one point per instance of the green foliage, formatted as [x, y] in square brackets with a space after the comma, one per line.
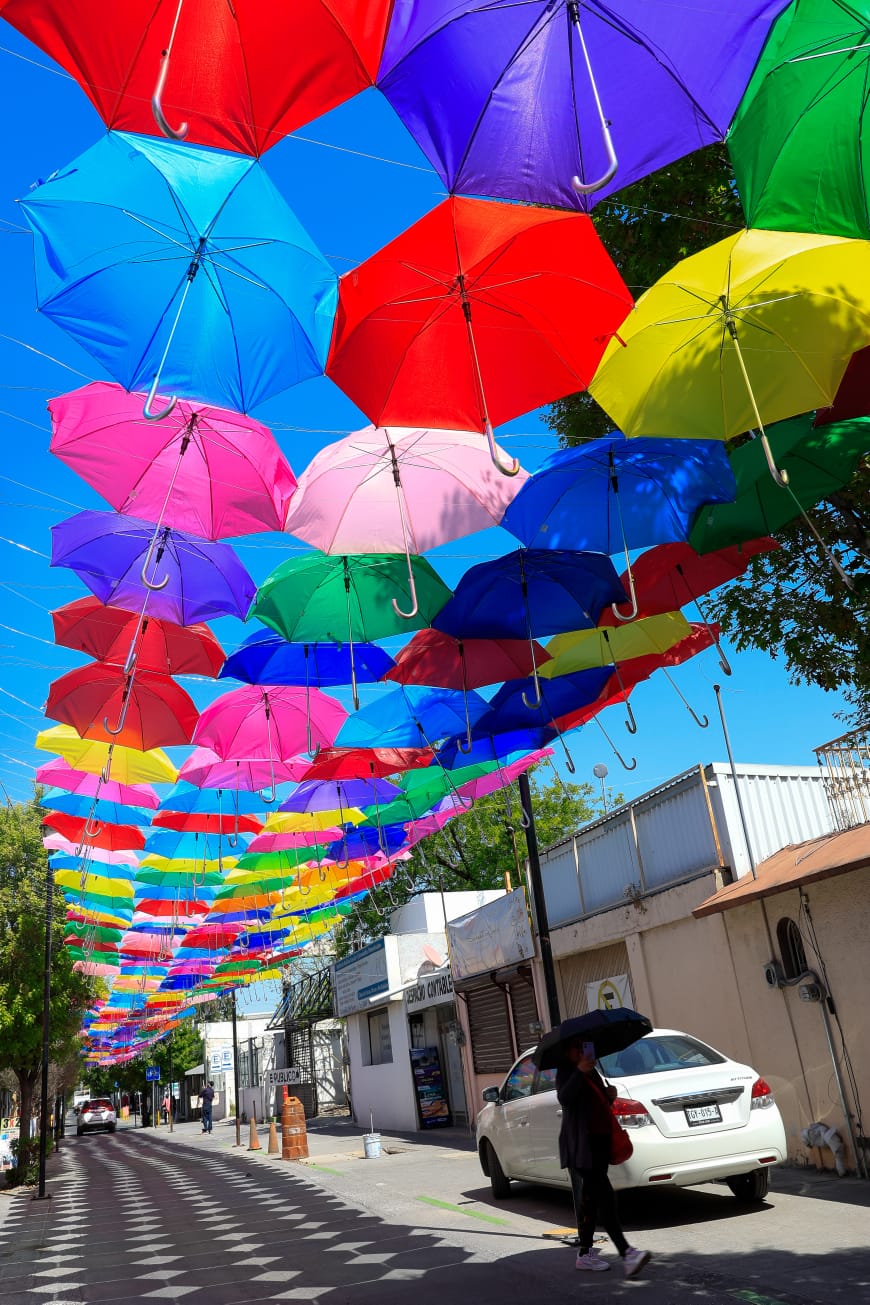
[484, 848]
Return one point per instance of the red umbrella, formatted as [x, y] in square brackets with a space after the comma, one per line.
[114, 838]
[514, 304]
[109, 634]
[434, 658]
[152, 711]
[160, 908]
[198, 822]
[366, 763]
[853, 394]
[242, 74]
[213, 936]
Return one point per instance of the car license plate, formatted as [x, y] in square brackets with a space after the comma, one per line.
[696, 1115]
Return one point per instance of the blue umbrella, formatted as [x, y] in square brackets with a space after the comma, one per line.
[510, 709]
[119, 557]
[168, 892]
[211, 801]
[503, 748]
[266, 658]
[183, 266]
[66, 861]
[360, 843]
[411, 717]
[615, 495]
[193, 847]
[78, 804]
[339, 794]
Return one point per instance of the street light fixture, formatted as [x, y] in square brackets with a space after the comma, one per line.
[600, 772]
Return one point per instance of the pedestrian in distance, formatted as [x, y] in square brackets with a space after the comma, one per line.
[206, 1096]
[165, 1107]
[585, 1142]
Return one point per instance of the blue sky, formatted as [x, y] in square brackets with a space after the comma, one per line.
[355, 179]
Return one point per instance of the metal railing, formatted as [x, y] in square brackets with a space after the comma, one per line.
[845, 767]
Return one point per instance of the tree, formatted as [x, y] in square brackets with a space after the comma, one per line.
[483, 848]
[789, 603]
[23, 871]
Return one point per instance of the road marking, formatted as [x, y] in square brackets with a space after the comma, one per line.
[324, 1169]
[754, 1298]
[460, 1209]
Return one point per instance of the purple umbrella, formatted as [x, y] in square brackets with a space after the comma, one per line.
[514, 99]
[116, 555]
[338, 795]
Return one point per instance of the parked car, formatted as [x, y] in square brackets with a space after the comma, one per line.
[693, 1115]
[96, 1114]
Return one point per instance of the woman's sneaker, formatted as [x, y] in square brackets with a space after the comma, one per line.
[593, 1261]
[633, 1261]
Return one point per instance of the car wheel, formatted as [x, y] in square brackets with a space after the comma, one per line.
[498, 1180]
[111, 1128]
[749, 1188]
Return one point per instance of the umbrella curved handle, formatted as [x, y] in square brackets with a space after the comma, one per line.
[148, 407]
[125, 706]
[633, 600]
[631, 723]
[525, 818]
[619, 757]
[781, 477]
[92, 826]
[538, 699]
[465, 745]
[272, 795]
[506, 468]
[153, 585]
[174, 133]
[412, 585]
[586, 188]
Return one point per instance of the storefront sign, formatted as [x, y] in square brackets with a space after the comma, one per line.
[492, 937]
[360, 976]
[429, 1087]
[283, 1077]
[432, 990]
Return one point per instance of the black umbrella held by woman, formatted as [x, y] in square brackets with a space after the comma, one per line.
[609, 1031]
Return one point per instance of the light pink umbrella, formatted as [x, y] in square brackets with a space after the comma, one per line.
[268, 723]
[286, 842]
[499, 779]
[398, 490]
[57, 843]
[96, 968]
[205, 769]
[60, 774]
[206, 470]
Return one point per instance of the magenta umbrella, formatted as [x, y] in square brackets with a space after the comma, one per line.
[287, 842]
[500, 778]
[205, 470]
[205, 769]
[273, 724]
[60, 774]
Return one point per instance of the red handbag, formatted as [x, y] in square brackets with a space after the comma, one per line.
[621, 1145]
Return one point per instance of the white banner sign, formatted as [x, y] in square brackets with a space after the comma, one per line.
[431, 990]
[608, 994]
[359, 976]
[492, 937]
[283, 1077]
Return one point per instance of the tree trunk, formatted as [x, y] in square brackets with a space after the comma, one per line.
[26, 1083]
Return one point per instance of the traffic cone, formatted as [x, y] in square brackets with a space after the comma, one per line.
[254, 1144]
[273, 1139]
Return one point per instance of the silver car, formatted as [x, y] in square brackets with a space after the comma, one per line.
[99, 1113]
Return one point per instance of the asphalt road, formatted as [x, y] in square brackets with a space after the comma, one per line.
[149, 1216]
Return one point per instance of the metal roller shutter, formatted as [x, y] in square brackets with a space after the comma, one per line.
[488, 1021]
[588, 967]
[524, 1010]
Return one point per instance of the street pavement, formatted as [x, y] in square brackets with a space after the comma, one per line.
[149, 1215]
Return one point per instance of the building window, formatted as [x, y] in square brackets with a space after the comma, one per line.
[417, 1030]
[791, 948]
[380, 1045]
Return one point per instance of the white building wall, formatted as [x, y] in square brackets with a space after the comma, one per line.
[426, 912]
[382, 1094]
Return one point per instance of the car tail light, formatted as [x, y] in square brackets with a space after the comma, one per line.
[631, 1114]
[761, 1096]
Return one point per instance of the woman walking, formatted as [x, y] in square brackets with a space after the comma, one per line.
[585, 1151]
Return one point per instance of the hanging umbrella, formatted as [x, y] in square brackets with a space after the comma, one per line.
[110, 837]
[514, 304]
[101, 809]
[510, 709]
[616, 495]
[240, 76]
[817, 461]
[200, 277]
[609, 1031]
[435, 658]
[108, 633]
[291, 842]
[183, 579]
[210, 801]
[274, 724]
[501, 748]
[205, 769]
[756, 328]
[141, 709]
[797, 139]
[516, 99]
[204, 470]
[187, 822]
[365, 763]
[286, 822]
[398, 491]
[125, 765]
[61, 775]
[410, 717]
[338, 795]
[267, 658]
[366, 842]
[348, 598]
[195, 847]
[67, 855]
[528, 593]
[853, 393]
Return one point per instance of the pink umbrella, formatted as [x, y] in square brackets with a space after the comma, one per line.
[268, 723]
[205, 769]
[206, 470]
[285, 842]
[60, 774]
[57, 843]
[96, 968]
[397, 490]
[499, 779]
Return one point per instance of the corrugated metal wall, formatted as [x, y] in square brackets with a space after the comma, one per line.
[589, 967]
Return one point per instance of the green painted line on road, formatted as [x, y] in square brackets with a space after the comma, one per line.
[754, 1298]
[461, 1209]
[324, 1169]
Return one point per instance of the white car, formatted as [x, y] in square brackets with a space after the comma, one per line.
[693, 1115]
[99, 1113]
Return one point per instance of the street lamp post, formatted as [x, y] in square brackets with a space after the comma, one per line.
[236, 1072]
[46, 1032]
[600, 772]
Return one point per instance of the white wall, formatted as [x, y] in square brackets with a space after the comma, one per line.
[425, 912]
[383, 1093]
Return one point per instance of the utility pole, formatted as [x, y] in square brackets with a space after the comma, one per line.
[171, 1097]
[236, 1072]
[717, 689]
[46, 1033]
[539, 900]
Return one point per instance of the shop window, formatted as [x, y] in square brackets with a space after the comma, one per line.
[791, 948]
[417, 1031]
[380, 1044]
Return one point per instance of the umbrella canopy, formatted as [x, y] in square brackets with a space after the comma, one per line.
[609, 1031]
[338, 795]
[120, 561]
[435, 658]
[290, 842]
[671, 575]
[516, 114]
[217, 802]
[510, 709]
[366, 763]
[108, 633]
[242, 76]
[193, 847]
[141, 711]
[60, 775]
[267, 658]
[411, 717]
[111, 838]
[125, 765]
[205, 769]
[818, 461]
[514, 304]
[193, 822]
[797, 139]
[583, 649]
[204, 470]
[502, 747]
[395, 490]
[269, 723]
[756, 328]
[853, 393]
[98, 808]
[199, 275]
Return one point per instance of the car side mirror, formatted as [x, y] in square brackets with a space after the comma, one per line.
[492, 1095]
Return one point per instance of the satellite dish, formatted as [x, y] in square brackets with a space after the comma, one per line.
[599, 771]
[433, 955]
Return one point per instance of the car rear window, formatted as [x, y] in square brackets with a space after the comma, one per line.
[658, 1053]
[98, 1105]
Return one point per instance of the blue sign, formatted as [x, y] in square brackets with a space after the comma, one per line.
[152, 1074]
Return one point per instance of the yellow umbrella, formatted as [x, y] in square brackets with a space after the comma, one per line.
[126, 765]
[308, 822]
[103, 885]
[582, 649]
[756, 328]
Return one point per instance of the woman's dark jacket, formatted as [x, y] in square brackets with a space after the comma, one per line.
[586, 1118]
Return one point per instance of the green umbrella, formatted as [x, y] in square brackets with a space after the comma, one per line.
[288, 859]
[354, 598]
[819, 461]
[423, 789]
[797, 140]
